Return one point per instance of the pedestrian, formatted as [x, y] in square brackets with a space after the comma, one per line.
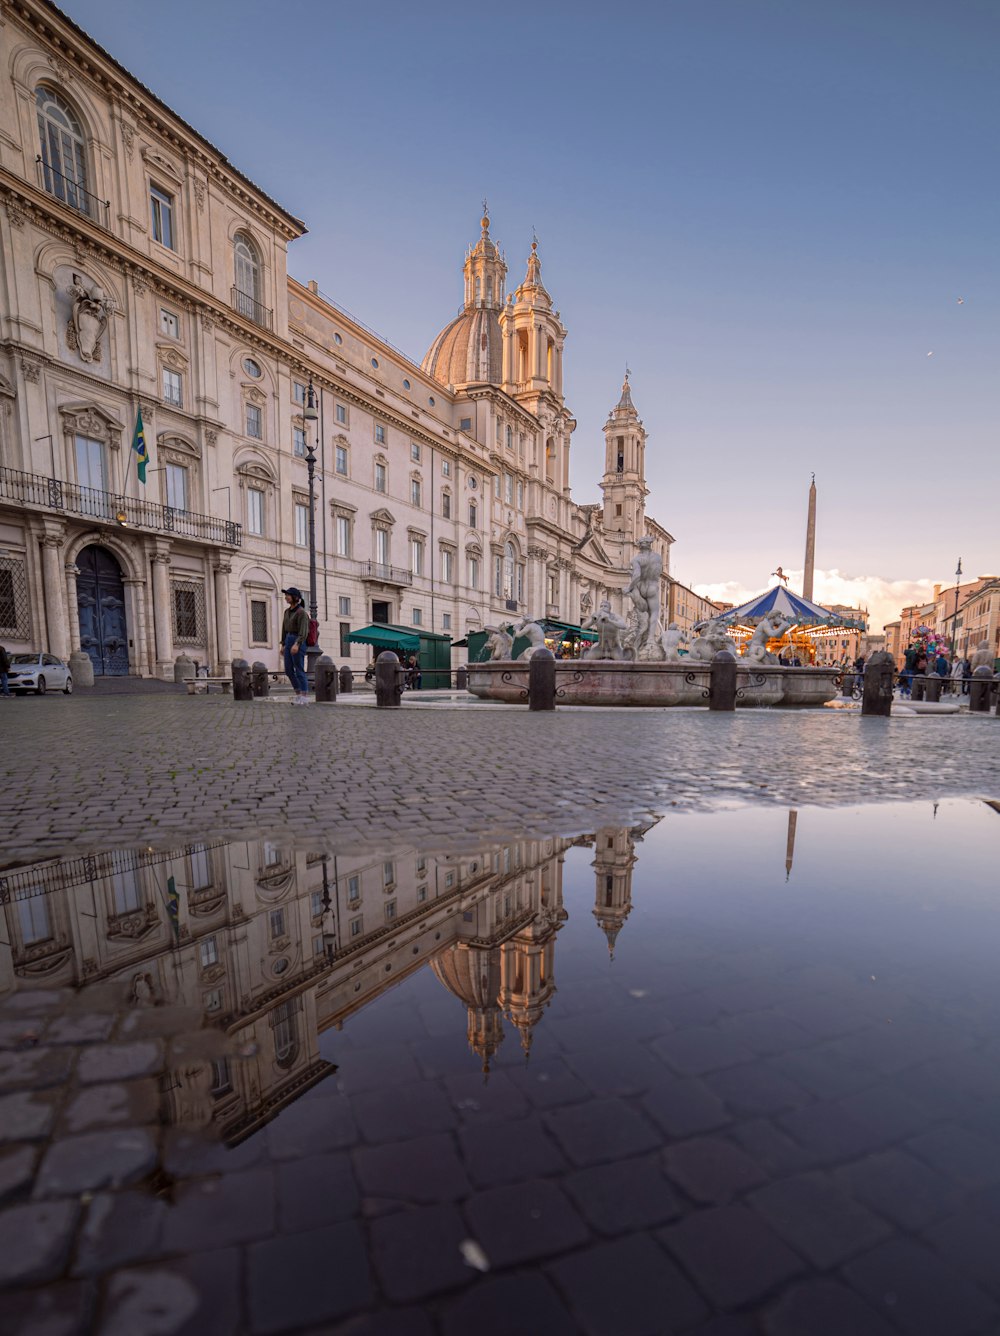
[294, 630]
[4, 670]
[956, 676]
[966, 675]
[413, 674]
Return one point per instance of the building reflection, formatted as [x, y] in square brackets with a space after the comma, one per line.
[268, 947]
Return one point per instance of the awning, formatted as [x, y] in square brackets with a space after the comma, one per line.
[386, 637]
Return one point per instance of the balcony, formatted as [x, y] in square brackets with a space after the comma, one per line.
[72, 194]
[33, 490]
[250, 309]
[382, 574]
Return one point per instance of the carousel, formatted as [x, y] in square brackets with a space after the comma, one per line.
[810, 624]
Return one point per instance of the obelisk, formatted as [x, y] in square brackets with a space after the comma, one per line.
[807, 578]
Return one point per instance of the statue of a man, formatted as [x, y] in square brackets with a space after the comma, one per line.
[535, 635]
[673, 638]
[610, 629]
[771, 627]
[644, 591]
[499, 643]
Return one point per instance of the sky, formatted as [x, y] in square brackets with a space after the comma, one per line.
[780, 214]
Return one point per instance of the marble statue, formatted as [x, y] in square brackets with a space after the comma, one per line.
[644, 591]
[500, 642]
[771, 627]
[672, 639]
[610, 629]
[88, 319]
[586, 603]
[983, 657]
[713, 637]
[535, 635]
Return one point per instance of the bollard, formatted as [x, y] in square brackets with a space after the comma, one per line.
[847, 686]
[542, 680]
[722, 686]
[260, 682]
[242, 686]
[325, 678]
[462, 678]
[876, 696]
[184, 668]
[980, 689]
[933, 687]
[346, 681]
[917, 686]
[388, 681]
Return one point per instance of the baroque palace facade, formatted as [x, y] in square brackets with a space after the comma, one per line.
[141, 271]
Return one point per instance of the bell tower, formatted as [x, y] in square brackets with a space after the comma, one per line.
[614, 859]
[624, 481]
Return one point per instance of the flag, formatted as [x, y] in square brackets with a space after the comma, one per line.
[139, 446]
[173, 902]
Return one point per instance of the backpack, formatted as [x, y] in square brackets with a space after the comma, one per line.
[312, 636]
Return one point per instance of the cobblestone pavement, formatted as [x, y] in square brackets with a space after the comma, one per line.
[114, 772]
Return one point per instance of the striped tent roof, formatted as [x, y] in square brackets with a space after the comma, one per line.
[793, 606]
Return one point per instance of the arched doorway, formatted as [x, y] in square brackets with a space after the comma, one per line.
[100, 596]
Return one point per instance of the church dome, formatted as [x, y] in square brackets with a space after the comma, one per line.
[468, 349]
[470, 973]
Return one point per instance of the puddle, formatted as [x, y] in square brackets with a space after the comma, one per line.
[746, 1059]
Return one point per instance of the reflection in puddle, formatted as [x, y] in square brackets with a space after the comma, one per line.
[780, 1015]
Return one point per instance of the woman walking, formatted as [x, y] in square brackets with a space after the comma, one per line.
[294, 630]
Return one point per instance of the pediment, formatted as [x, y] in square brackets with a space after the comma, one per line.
[159, 162]
[89, 419]
[383, 516]
[178, 445]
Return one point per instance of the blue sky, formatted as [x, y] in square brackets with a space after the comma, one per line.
[769, 208]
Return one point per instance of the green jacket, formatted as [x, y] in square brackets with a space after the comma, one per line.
[295, 623]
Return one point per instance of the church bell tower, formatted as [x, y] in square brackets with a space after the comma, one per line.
[624, 481]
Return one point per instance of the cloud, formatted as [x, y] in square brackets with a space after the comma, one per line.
[883, 598]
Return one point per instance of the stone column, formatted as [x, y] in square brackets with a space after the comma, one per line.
[161, 615]
[55, 597]
[72, 571]
[223, 646]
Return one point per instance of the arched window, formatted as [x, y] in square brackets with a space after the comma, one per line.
[247, 276]
[63, 150]
[508, 570]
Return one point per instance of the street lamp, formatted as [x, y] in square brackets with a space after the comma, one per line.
[329, 928]
[954, 620]
[311, 415]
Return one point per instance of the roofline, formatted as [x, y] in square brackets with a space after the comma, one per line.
[25, 10]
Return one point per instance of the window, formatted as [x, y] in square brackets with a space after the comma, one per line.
[341, 460]
[186, 619]
[473, 572]
[353, 889]
[499, 426]
[172, 388]
[421, 894]
[318, 945]
[255, 511]
[272, 854]
[382, 547]
[520, 582]
[201, 868]
[90, 471]
[125, 891]
[356, 927]
[390, 910]
[380, 477]
[213, 1000]
[379, 434]
[255, 422]
[64, 162]
[252, 368]
[344, 606]
[340, 413]
[446, 468]
[447, 565]
[446, 505]
[177, 486]
[417, 556]
[508, 571]
[299, 441]
[33, 916]
[406, 384]
[208, 952]
[298, 392]
[508, 489]
[221, 1079]
[473, 515]
[520, 494]
[388, 873]
[344, 538]
[415, 452]
[465, 424]
[509, 440]
[498, 576]
[276, 923]
[446, 621]
[415, 491]
[169, 324]
[285, 1028]
[247, 275]
[301, 525]
[161, 208]
[258, 621]
[418, 617]
[345, 644]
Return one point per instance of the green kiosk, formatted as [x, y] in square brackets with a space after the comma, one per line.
[559, 636]
[433, 650]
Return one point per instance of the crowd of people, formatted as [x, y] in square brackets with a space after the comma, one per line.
[921, 661]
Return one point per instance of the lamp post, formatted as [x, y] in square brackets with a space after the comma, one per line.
[954, 620]
[329, 927]
[311, 415]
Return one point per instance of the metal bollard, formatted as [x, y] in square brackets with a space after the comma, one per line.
[933, 687]
[325, 678]
[242, 685]
[542, 680]
[722, 685]
[918, 687]
[346, 681]
[876, 695]
[260, 682]
[388, 681]
[462, 678]
[980, 689]
[847, 686]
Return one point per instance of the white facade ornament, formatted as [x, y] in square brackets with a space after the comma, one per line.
[500, 642]
[88, 318]
[610, 630]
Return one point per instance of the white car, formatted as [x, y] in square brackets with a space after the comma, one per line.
[38, 673]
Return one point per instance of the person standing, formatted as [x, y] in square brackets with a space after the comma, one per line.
[294, 630]
[4, 670]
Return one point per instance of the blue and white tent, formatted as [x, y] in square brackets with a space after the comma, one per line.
[794, 607]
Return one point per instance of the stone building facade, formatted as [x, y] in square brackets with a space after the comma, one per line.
[143, 273]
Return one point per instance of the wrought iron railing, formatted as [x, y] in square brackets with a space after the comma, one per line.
[31, 489]
[71, 193]
[248, 307]
[22, 883]
[377, 570]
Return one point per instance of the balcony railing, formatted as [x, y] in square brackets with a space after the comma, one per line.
[377, 570]
[31, 489]
[72, 194]
[251, 309]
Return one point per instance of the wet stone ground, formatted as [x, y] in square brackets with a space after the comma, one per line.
[730, 1074]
